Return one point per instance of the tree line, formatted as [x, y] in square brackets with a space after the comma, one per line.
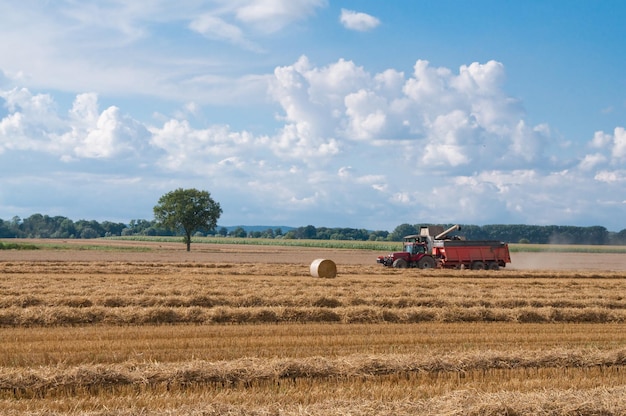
[44, 226]
[521, 233]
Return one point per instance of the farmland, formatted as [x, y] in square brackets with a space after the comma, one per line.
[143, 327]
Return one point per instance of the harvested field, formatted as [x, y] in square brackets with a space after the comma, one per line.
[146, 328]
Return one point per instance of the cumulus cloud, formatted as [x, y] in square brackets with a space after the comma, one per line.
[437, 118]
[188, 149]
[34, 123]
[611, 148]
[399, 132]
[606, 163]
[434, 145]
[361, 22]
[30, 121]
[366, 114]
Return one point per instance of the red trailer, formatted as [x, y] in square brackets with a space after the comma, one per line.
[476, 255]
[425, 251]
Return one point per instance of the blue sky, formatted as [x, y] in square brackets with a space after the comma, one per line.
[361, 114]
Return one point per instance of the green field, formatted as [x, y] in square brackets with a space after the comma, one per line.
[381, 246]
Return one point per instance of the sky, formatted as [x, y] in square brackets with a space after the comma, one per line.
[360, 114]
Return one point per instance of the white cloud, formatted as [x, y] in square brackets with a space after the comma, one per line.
[272, 15]
[601, 139]
[87, 46]
[141, 97]
[611, 151]
[389, 82]
[361, 22]
[108, 138]
[429, 85]
[35, 124]
[366, 115]
[619, 141]
[230, 21]
[481, 79]
[610, 176]
[432, 146]
[214, 27]
[195, 150]
[449, 135]
[527, 143]
[591, 161]
[443, 119]
[31, 119]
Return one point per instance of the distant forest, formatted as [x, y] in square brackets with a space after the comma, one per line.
[44, 226]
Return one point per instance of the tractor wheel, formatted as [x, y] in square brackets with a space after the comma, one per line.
[494, 266]
[426, 263]
[478, 265]
[400, 264]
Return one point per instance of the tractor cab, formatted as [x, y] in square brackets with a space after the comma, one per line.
[415, 244]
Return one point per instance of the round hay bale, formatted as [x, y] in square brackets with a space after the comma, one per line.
[323, 268]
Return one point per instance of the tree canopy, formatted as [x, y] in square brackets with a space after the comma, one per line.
[189, 210]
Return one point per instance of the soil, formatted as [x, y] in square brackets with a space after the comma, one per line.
[233, 253]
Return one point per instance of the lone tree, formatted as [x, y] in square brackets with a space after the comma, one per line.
[189, 210]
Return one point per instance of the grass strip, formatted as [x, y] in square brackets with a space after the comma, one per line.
[18, 246]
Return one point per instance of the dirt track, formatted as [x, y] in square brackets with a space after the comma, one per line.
[231, 253]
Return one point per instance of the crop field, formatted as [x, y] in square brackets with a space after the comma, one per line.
[145, 328]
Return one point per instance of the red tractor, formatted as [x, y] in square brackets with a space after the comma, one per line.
[425, 252]
[415, 254]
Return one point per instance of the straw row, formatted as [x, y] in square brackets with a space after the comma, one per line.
[309, 299]
[67, 316]
[245, 372]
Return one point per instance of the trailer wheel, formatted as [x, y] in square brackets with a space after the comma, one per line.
[478, 265]
[426, 263]
[494, 266]
[400, 264]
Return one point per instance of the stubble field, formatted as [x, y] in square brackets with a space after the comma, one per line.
[147, 328]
